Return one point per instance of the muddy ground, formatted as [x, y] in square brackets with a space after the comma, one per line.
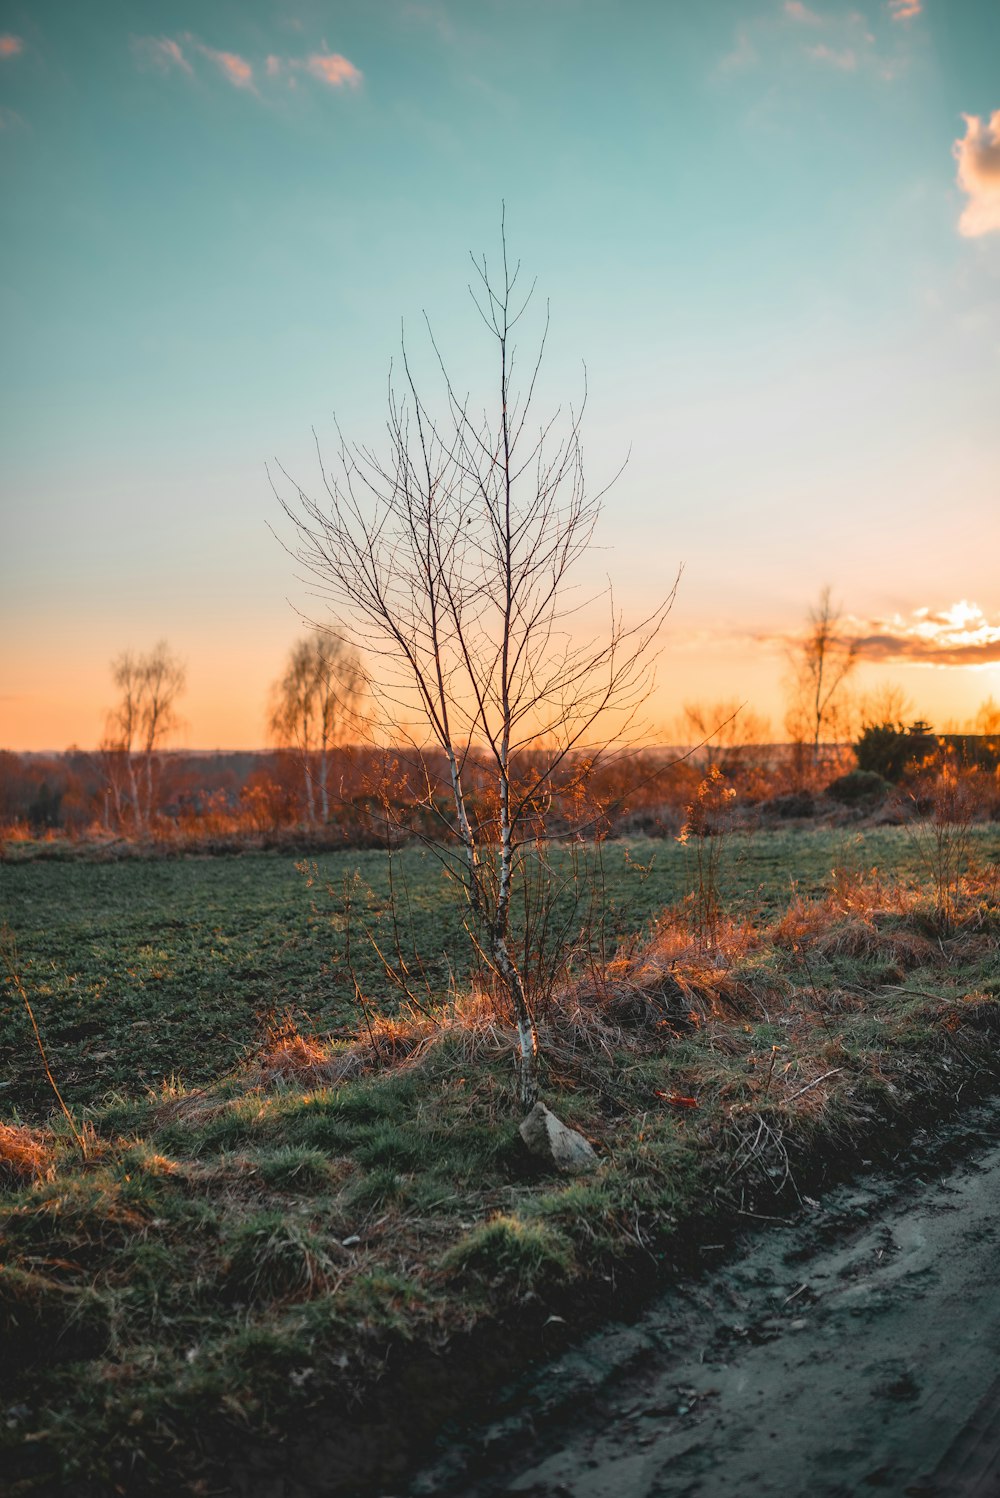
[853, 1348]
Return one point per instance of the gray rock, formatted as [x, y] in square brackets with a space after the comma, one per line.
[555, 1144]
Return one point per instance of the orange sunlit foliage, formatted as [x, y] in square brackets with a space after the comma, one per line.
[379, 795]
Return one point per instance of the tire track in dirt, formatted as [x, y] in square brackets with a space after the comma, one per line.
[853, 1351]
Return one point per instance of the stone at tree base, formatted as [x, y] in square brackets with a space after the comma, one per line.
[557, 1145]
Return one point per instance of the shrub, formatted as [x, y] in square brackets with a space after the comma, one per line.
[883, 749]
[793, 804]
[858, 788]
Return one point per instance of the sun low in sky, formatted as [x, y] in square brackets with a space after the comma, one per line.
[770, 230]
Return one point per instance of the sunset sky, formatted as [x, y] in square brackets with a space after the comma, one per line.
[770, 230]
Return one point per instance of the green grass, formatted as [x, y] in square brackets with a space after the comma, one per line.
[239, 1254]
[149, 970]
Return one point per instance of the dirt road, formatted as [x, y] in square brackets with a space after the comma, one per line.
[855, 1350]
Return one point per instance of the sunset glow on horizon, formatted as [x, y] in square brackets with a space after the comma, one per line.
[771, 230]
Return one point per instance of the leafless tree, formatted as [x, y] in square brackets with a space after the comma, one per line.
[725, 732]
[450, 561]
[316, 706]
[821, 662]
[887, 703]
[138, 726]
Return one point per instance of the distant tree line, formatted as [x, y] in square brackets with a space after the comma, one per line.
[323, 781]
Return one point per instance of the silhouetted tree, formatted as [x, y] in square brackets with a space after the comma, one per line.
[822, 661]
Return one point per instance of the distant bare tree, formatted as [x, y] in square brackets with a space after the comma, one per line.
[821, 662]
[450, 563]
[315, 706]
[888, 703]
[724, 731]
[138, 726]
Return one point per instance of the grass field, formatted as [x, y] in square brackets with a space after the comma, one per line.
[268, 1240]
[145, 970]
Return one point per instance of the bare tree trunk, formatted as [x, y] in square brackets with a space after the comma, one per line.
[324, 781]
[527, 1033]
[310, 797]
[133, 785]
[498, 929]
[149, 787]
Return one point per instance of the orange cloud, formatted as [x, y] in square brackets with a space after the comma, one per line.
[904, 10]
[962, 635]
[10, 46]
[160, 52]
[273, 66]
[978, 157]
[333, 69]
[231, 65]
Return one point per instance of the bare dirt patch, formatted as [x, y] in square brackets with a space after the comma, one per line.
[853, 1349]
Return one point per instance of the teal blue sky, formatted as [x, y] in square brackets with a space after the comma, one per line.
[771, 230]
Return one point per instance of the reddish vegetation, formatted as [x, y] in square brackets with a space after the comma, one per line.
[258, 798]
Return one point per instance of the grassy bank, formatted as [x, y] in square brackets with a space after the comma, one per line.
[150, 969]
[284, 1260]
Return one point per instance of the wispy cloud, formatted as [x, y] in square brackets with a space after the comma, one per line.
[844, 58]
[743, 54]
[10, 119]
[978, 157]
[167, 53]
[794, 31]
[800, 12]
[904, 10]
[159, 52]
[10, 46]
[333, 69]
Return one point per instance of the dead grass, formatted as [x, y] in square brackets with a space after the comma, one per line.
[25, 1155]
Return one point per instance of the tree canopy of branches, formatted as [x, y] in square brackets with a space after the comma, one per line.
[315, 706]
[724, 732]
[822, 661]
[450, 561]
[138, 726]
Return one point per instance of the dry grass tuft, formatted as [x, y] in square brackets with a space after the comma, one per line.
[855, 936]
[196, 1107]
[309, 1061]
[865, 922]
[25, 1155]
